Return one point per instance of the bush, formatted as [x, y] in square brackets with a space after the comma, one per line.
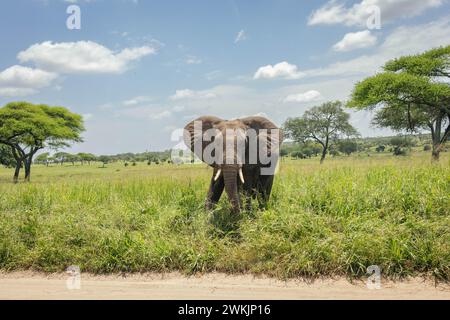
[347, 147]
[399, 151]
[298, 155]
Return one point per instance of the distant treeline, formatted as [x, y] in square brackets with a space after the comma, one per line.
[82, 158]
[397, 145]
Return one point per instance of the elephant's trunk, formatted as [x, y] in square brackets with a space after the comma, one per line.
[230, 175]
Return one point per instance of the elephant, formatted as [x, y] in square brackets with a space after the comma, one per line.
[250, 168]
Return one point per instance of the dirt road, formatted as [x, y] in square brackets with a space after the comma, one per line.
[27, 285]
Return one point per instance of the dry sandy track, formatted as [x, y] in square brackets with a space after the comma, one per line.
[27, 285]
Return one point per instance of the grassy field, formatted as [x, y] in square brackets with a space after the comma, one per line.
[334, 219]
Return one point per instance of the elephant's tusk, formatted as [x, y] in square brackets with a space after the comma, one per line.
[241, 175]
[217, 174]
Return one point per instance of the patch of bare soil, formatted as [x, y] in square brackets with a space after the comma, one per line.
[35, 286]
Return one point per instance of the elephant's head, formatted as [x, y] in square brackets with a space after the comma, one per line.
[230, 145]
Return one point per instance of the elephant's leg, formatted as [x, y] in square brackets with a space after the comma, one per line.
[248, 199]
[214, 192]
[250, 187]
[264, 190]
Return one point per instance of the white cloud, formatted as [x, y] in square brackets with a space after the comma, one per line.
[308, 96]
[193, 60]
[241, 36]
[16, 92]
[82, 57]
[403, 40]
[136, 100]
[21, 81]
[178, 108]
[160, 115]
[356, 40]
[283, 70]
[191, 94]
[335, 12]
[213, 75]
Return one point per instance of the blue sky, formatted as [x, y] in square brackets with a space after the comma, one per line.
[137, 70]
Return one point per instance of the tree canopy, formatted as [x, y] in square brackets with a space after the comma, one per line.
[323, 124]
[28, 128]
[412, 94]
[6, 156]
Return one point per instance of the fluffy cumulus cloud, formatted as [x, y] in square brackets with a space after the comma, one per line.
[81, 57]
[308, 96]
[356, 40]
[336, 12]
[283, 70]
[21, 81]
[192, 94]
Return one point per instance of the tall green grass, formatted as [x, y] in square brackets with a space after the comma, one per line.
[334, 219]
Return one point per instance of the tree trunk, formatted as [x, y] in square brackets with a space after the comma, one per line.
[438, 140]
[28, 168]
[230, 179]
[17, 171]
[322, 158]
[18, 164]
[435, 152]
[324, 153]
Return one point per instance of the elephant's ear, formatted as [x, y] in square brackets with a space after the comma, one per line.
[191, 135]
[272, 134]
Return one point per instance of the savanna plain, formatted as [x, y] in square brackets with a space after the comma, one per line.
[328, 220]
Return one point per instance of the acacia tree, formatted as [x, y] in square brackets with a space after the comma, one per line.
[61, 157]
[86, 157]
[43, 158]
[27, 128]
[412, 94]
[104, 160]
[323, 124]
[6, 157]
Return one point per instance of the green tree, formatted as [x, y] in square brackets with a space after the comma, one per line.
[284, 152]
[72, 158]
[400, 143]
[6, 157]
[347, 146]
[28, 128]
[62, 157]
[86, 157]
[323, 124]
[298, 155]
[43, 158]
[412, 94]
[104, 160]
